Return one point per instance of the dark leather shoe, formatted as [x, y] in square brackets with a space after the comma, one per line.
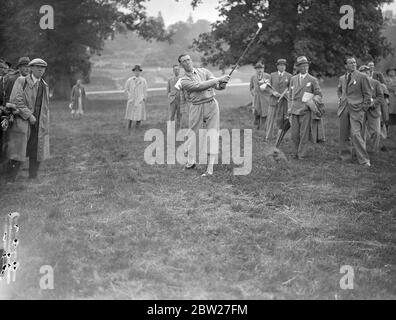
[189, 167]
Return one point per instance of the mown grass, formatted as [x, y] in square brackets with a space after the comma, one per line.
[114, 227]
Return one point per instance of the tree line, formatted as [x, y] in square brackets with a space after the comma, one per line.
[290, 28]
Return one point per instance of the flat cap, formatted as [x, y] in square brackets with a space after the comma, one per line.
[38, 62]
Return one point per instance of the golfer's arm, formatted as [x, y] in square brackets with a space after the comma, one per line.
[191, 85]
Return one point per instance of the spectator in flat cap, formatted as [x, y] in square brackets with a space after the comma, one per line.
[261, 96]
[136, 89]
[278, 108]
[29, 134]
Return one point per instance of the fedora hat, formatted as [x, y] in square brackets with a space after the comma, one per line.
[38, 62]
[302, 60]
[137, 67]
[23, 61]
[259, 65]
[281, 61]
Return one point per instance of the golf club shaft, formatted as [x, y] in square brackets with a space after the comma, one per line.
[244, 52]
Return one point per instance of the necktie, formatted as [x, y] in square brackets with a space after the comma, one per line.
[348, 80]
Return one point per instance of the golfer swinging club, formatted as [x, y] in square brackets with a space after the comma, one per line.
[199, 83]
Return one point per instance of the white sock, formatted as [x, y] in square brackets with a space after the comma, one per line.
[212, 159]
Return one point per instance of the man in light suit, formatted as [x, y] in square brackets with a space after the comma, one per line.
[372, 120]
[302, 85]
[277, 112]
[354, 92]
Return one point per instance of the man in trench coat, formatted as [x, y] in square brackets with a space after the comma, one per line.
[29, 134]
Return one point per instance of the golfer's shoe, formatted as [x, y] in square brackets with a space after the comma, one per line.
[190, 166]
[207, 174]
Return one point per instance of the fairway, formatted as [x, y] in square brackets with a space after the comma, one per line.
[114, 227]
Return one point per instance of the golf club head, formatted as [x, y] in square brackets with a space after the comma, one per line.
[260, 26]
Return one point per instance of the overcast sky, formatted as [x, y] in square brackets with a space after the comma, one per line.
[173, 11]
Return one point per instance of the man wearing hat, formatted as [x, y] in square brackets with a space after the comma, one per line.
[29, 134]
[372, 120]
[304, 94]
[23, 70]
[7, 85]
[354, 92]
[136, 89]
[279, 81]
[261, 97]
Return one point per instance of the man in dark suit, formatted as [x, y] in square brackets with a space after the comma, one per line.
[354, 92]
[278, 106]
[303, 89]
[372, 121]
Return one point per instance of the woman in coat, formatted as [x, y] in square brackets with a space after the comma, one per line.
[136, 89]
[78, 99]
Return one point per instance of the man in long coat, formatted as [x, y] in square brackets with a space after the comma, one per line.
[29, 134]
[354, 92]
[304, 95]
[261, 96]
[278, 108]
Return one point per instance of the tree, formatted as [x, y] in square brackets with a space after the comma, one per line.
[292, 28]
[81, 26]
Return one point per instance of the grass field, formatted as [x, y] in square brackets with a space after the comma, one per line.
[114, 227]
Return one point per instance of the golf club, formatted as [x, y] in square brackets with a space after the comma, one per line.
[260, 26]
